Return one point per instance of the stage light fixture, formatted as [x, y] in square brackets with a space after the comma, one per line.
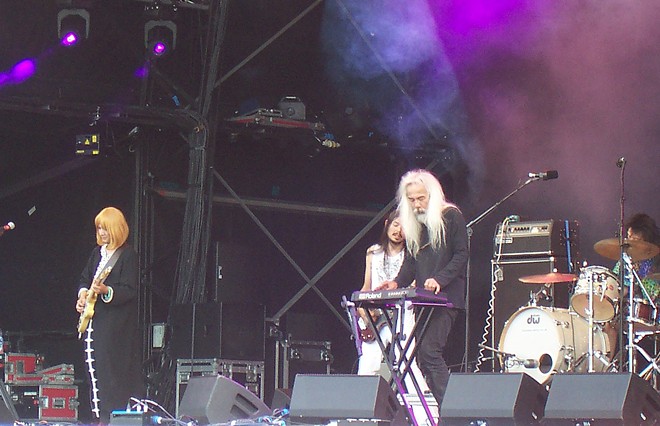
[72, 26]
[88, 144]
[159, 37]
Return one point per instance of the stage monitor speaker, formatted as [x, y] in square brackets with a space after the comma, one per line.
[619, 398]
[511, 295]
[217, 399]
[281, 399]
[320, 398]
[493, 398]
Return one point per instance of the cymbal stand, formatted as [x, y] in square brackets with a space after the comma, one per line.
[629, 272]
[653, 365]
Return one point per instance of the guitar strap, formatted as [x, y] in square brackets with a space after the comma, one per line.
[113, 259]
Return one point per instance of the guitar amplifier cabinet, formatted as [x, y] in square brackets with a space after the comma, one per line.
[510, 294]
[250, 374]
[559, 238]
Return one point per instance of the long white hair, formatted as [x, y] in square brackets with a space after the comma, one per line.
[437, 204]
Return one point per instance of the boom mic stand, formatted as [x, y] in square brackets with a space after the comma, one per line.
[621, 163]
[469, 226]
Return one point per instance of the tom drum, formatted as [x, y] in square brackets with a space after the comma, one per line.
[605, 288]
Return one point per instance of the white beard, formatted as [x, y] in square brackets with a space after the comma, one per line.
[421, 217]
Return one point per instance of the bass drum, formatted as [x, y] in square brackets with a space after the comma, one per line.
[545, 341]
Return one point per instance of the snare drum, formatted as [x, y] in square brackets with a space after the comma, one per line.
[644, 315]
[605, 287]
[549, 341]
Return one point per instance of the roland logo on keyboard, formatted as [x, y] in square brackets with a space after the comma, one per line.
[371, 295]
[388, 294]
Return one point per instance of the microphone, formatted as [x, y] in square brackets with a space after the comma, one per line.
[8, 227]
[621, 162]
[550, 174]
[530, 363]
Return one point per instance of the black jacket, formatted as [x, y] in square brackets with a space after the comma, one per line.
[448, 265]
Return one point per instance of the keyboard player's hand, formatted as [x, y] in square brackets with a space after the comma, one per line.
[387, 285]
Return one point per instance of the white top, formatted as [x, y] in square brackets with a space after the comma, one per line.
[383, 267]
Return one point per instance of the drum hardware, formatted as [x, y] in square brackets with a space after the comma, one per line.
[631, 274]
[653, 363]
[542, 294]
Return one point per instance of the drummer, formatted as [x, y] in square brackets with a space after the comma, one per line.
[642, 227]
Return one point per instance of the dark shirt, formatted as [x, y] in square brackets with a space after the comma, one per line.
[448, 264]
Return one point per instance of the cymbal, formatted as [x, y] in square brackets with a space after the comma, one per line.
[636, 249]
[550, 278]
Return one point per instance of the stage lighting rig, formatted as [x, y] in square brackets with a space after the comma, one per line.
[159, 37]
[72, 26]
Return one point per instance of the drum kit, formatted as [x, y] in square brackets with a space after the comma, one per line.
[542, 341]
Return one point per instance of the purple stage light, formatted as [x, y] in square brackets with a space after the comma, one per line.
[20, 72]
[69, 39]
[23, 70]
[159, 48]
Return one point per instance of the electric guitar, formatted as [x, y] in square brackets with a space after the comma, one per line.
[367, 332]
[88, 312]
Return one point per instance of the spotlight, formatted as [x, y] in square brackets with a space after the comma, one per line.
[72, 26]
[159, 37]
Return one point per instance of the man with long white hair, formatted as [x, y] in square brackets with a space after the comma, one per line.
[436, 238]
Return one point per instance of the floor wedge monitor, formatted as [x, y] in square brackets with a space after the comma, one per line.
[611, 398]
[493, 398]
[322, 397]
[217, 399]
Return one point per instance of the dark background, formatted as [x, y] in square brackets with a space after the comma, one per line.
[488, 91]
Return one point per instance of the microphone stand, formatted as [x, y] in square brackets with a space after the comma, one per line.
[469, 226]
[622, 274]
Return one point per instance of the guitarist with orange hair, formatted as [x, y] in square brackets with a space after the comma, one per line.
[107, 302]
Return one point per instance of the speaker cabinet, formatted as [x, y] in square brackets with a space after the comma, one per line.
[621, 399]
[217, 399]
[320, 398]
[511, 295]
[281, 399]
[497, 399]
[218, 330]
